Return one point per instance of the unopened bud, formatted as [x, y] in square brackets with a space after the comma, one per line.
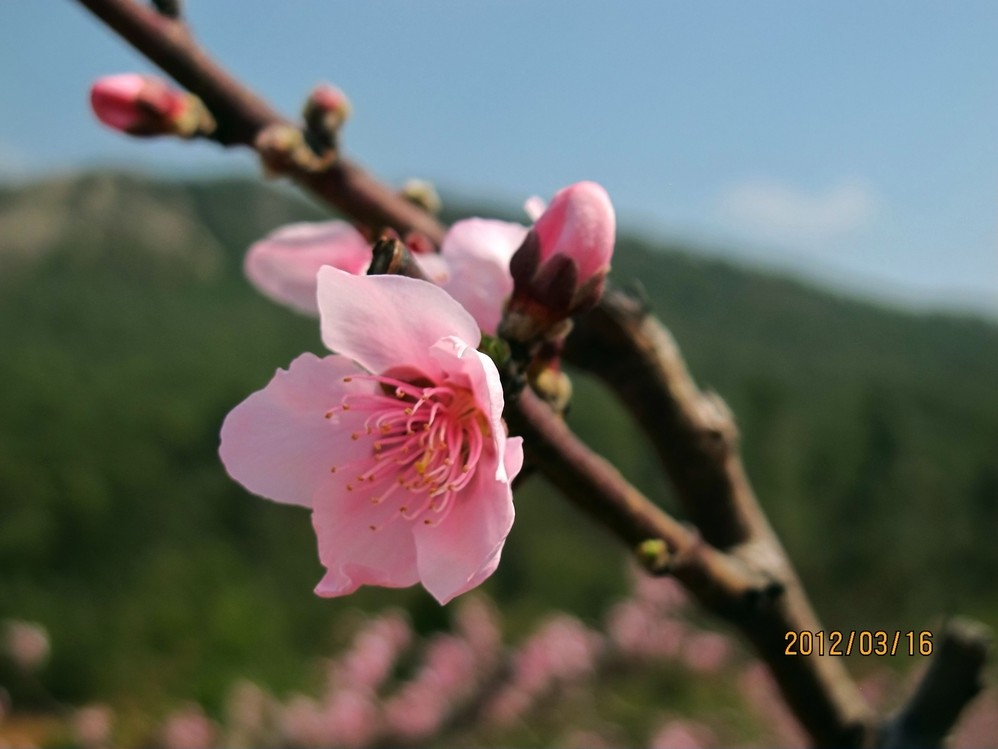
[422, 193]
[554, 386]
[169, 8]
[325, 111]
[560, 269]
[145, 106]
[283, 148]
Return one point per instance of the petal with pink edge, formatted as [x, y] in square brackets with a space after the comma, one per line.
[284, 265]
[352, 552]
[386, 321]
[278, 442]
[464, 549]
[478, 252]
[513, 459]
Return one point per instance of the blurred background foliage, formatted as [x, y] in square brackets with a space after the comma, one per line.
[127, 333]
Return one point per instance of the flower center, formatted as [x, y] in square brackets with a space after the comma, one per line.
[425, 444]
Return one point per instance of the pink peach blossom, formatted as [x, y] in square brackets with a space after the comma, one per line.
[284, 265]
[473, 264]
[396, 442]
[476, 253]
[138, 104]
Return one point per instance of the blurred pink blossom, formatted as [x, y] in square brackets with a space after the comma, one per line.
[681, 734]
[761, 692]
[302, 723]
[662, 594]
[477, 621]
[706, 652]
[248, 711]
[373, 653]
[285, 264]
[189, 728]
[563, 650]
[26, 643]
[472, 266]
[407, 470]
[446, 677]
[351, 719]
[978, 726]
[636, 631]
[91, 726]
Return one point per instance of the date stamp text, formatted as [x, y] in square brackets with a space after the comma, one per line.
[861, 641]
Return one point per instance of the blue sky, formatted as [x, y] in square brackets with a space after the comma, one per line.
[851, 142]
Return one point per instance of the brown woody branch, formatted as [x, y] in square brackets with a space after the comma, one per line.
[720, 581]
[738, 555]
[695, 436]
[242, 115]
[951, 682]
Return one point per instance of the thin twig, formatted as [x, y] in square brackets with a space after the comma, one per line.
[241, 116]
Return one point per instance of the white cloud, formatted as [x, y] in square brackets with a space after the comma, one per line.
[776, 211]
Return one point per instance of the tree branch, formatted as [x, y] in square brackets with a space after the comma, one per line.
[597, 488]
[696, 440]
[693, 432]
[241, 116]
[951, 682]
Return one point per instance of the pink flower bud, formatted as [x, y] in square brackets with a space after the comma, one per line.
[579, 224]
[560, 268]
[145, 106]
[326, 109]
[329, 99]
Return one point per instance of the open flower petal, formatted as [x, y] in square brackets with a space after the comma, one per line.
[458, 554]
[278, 443]
[477, 252]
[354, 554]
[284, 264]
[383, 322]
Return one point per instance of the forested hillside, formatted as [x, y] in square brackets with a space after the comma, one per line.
[128, 332]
